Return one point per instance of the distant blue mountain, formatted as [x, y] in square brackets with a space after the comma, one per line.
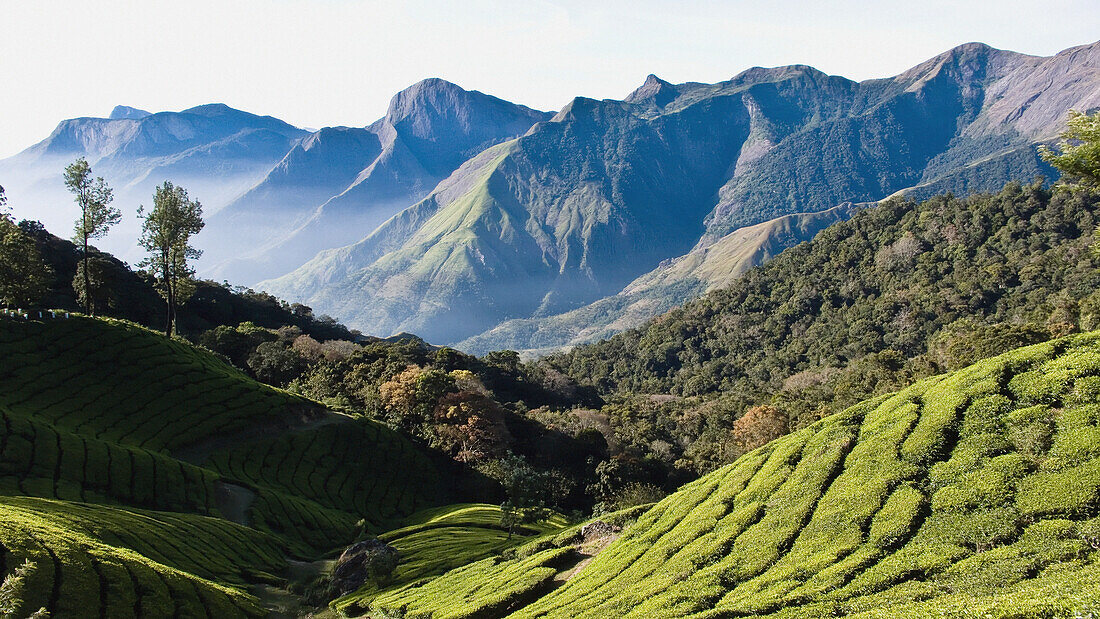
[339, 184]
[215, 151]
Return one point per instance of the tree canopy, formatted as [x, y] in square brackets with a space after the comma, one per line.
[94, 197]
[24, 276]
[166, 234]
[1078, 156]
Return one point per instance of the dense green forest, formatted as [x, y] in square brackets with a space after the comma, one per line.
[901, 291]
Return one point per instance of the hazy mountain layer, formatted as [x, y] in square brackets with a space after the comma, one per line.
[215, 151]
[582, 205]
[671, 284]
[339, 184]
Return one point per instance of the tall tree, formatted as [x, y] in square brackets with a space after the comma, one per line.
[24, 276]
[1079, 152]
[93, 196]
[166, 233]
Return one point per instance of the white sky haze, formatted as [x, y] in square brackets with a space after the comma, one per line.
[337, 62]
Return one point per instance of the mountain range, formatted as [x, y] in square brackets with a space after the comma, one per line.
[605, 192]
[474, 221]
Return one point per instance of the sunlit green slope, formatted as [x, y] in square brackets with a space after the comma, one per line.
[435, 541]
[970, 494]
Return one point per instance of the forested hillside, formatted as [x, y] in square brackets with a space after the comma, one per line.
[900, 291]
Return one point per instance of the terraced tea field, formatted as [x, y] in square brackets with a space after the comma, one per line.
[975, 494]
[491, 586]
[971, 494]
[122, 383]
[438, 540]
[146, 477]
[329, 466]
[92, 560]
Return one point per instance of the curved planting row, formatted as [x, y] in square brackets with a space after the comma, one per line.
[310, 527]
[77, 575]
[360, 467]
[436, 541]
[492, 586]
[37, 459]
[976, 487]
[211, 548]
[123, 383]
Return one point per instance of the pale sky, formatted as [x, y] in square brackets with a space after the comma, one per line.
[315, 63]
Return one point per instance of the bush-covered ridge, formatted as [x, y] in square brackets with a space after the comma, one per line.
[980, 487]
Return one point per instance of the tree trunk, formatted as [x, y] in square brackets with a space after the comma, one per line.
[89, 307]
[171, 305]
[166, 275]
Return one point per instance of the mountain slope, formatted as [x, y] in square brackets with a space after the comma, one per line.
[339, 184]
[582, 205]
[671, 284]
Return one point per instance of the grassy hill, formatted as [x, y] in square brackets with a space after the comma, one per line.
[971, 494]
[435, 541]
[145, 476]
[119, 382]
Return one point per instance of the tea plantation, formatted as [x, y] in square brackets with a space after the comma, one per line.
[438, 540]
[971, 494]
[144, 476]
[974, 494]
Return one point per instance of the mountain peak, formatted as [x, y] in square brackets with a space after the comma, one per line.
[210, 109]
[653, 89]
[756, 75]
[125, 112]
[427, 93]
[972, 62]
